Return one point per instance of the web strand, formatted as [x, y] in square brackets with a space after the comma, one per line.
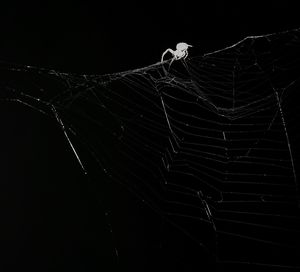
[205, 145]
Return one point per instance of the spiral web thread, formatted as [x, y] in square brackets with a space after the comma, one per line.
[208, 142]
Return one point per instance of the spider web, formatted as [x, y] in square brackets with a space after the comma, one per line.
[208, 143]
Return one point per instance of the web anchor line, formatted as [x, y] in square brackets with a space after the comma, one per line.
[68, 138]
[288, 144]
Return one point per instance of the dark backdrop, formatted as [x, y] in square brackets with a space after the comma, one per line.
[54, 216]
[107, 36]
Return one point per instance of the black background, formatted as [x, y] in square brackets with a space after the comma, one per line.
[53, 216]
[104, 37]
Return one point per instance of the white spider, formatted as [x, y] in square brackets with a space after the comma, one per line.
[180, 52]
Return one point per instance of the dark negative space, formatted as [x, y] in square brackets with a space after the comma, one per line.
[188, 167]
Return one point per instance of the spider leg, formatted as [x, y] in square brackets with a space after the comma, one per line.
[184, 62]
[174, 58]
[186, 54]
[168, 50]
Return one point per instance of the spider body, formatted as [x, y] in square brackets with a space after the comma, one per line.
[180, 52]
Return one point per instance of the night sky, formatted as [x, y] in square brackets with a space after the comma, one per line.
[54, 217]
